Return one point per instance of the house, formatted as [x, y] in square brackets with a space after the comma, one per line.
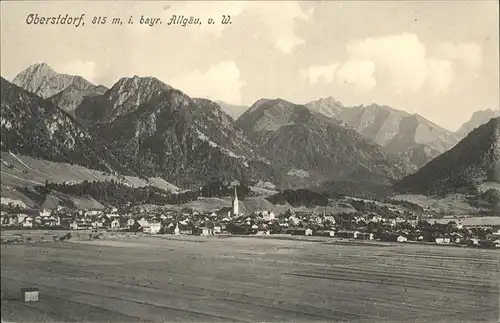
[28, 222]
[442, 240]
[456, 237]
[152, 228]
[51, 221]
[20, 218]
[115, 224]
[93, 213]
[5, 219]
[130, 222]
[401, 238]
[263, 232]
[202, 231]
[97, 224]
[12, 220]
[374, 218]
[329, 219]
[268, 216]
[45, 213]
[73, 225]
[143, 222]
[177, 231]
[294, 220]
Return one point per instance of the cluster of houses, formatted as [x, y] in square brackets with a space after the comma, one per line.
[231, 221]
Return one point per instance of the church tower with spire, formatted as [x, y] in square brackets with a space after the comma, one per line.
[236, 210]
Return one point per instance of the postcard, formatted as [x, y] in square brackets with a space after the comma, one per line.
[250, 161]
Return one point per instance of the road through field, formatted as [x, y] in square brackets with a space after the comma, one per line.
[194, 279]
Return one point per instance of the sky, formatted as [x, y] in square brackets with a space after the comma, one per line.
[437, 59]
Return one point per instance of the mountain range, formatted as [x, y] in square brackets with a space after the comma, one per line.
[140, 126]
[478, 118]
[33, 126]
[42, 80]
[409, 136]
[231, 109]
[144, 127]
[187, 141]
[306, 144]
[473, 161]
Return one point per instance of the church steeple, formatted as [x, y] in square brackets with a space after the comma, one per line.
[236, 210]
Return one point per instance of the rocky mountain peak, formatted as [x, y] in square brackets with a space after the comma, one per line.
[41, 69]
[478, 118]
[398, 132]
[271, 114]
[125, 96]
[141, 83]
[36, 127]
[327, 106]
[42, 80]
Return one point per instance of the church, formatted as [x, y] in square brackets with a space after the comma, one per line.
[236, 208]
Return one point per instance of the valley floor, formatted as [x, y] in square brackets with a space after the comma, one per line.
[189, 279]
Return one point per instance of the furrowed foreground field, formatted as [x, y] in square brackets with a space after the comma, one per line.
[188, 279]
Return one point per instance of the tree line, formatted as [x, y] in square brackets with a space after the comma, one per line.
[115, 193]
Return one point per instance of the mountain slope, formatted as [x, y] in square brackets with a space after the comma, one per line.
[72, 96]
[411, 137]
[124, 97]
[474, 160]
[37, 128]
[477, 119]
[185, 141]
[302, 141]
[24, 171]
[233, 110]
[42, 80]
[419, 140]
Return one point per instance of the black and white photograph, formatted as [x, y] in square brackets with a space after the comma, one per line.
[250, 161]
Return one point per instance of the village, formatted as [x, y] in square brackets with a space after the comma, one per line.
[230, 221]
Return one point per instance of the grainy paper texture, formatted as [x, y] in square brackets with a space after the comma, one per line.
[260, 161]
